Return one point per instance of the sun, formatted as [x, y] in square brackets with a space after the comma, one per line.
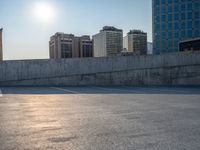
[44, 12]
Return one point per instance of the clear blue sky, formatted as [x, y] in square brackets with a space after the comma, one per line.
[25, 37]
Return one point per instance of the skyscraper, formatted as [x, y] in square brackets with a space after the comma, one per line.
[136, 41]
[109, 42]
[69, 46]
[174, 21]
[1, 45]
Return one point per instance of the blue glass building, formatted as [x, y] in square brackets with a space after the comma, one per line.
[174, 21]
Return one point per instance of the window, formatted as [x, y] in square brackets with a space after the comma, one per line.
[169, 35]
[66, 50]
[164, 26]
[189, 25]
[197, 15]
[176, 17]
[197, 25]
[170, 17]
[157, 18]
[176, 35]
[183, 34]
[189, 33]
[183, 25]
[183, 7]
[190, 15]
[190, 6]
[163, 2]
[157, 2]
[197, 33]
[197, 6]
[170, 26]
[163, 18]
[176, 26]
[176, 1]
[176, 8]
[183, 16]
[170, 43]
[169, 1]
[170, 9]
[163, 35]
[163, 9]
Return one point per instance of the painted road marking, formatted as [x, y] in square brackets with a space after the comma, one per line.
[1, 95]
[62, 89]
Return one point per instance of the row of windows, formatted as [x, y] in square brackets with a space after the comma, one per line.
[164, 2]
[168, 45]
[177, 26]
[86, 42]
[178, 35]
[163, 9]
[66, 50]
[87, 51]
[177, 17]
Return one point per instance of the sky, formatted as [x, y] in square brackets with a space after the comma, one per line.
[27, 28]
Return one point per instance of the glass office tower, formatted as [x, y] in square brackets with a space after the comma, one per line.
[174, 21]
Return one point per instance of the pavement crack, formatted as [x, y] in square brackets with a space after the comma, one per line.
[62, 139]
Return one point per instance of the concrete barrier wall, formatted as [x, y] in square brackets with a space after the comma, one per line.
[170, 69]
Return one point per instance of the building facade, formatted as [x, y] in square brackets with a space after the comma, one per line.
[149, 48]
[86, 46]
[190, 45]
[174, 21]
[69, 46]
[136, 41]
[109, 42]
[1, 45]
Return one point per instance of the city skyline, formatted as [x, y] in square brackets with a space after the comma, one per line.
[26, 35]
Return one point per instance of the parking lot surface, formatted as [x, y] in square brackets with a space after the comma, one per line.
[99, 118]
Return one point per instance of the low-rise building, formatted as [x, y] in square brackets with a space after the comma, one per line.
[63, 45]
[190, 45]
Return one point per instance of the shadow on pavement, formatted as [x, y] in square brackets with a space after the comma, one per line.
[100, 90]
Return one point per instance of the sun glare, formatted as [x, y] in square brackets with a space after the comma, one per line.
[44, 12]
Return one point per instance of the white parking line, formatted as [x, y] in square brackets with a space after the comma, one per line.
[1, 95]
[62, 89]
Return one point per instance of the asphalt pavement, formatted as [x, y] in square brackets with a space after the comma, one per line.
[99, 118]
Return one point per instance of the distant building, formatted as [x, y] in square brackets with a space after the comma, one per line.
[109, 42]
[136, 41]
[190, 45]
[149, 48]
[69, 46]
[125, 52]
[174, 21]
[86, 46]
[1, 45]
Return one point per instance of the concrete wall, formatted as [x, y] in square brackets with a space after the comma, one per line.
[170, 69]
